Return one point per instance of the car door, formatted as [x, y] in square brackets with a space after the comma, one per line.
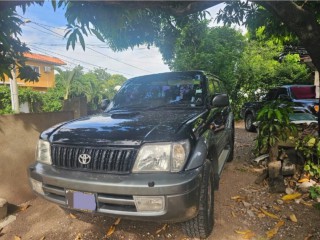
[218, 117]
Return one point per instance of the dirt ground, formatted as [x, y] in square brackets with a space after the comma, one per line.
[243, 210]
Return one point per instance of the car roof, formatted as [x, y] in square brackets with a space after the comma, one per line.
[169, 74]
[296, 85]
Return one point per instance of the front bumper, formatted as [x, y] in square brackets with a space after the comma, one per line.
[114, 194]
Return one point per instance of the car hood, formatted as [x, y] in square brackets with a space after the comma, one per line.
[125, 128]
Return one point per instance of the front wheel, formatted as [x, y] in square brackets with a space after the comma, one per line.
[248, 121]
[201, 226]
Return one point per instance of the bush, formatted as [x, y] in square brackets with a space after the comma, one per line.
[38, 102]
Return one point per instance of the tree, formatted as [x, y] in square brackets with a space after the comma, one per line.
[65, 79]
[296, 22]
[94, 85]
[5, 103]
[216, 50]
[111, 86]
[127, 24]
[11, 48]
[52, 100]
[259, 69]
[134, 23]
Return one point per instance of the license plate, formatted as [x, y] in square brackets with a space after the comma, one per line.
[81, 201]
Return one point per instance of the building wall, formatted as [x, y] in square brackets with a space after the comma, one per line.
[46, 79]
[19, 135]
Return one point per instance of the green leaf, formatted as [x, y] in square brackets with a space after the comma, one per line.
[270, 117]
[67, 33]
[69, 41]
[98, 35]
[278, 114]
[83, 45]
[54, 4]
[307, 167]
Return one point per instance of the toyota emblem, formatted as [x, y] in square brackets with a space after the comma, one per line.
[84, 158]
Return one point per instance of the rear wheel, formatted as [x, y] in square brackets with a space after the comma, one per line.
[201, 226]
[248, 121]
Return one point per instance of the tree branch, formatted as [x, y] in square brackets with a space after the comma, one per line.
[300, 21]
[176, 8]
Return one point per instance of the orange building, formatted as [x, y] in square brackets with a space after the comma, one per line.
[44, 65]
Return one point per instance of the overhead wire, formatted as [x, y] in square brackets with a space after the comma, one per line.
[60, 35]
[45, 51]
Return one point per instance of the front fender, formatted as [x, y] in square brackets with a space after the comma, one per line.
[199, 155]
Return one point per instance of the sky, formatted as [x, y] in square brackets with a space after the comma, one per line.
[44, 30]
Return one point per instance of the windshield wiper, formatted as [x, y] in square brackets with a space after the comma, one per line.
[178, 104]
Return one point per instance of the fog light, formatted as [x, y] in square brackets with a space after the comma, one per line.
[149, 204]
[36, 186]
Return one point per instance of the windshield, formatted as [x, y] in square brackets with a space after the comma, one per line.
[160, 90]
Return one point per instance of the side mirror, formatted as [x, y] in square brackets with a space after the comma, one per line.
[221, 100]
[104, 104]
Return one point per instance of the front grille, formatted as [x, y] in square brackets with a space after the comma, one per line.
[113, 160]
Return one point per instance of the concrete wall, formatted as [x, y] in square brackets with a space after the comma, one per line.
[19, 135]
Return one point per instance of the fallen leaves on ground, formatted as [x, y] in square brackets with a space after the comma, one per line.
[271, 233]
[17, 238]
[78, 237]
[293, 218]
[237, 198]
[113, 227]
[162, 229]
[303, 180]
[23, 207]
[291, 196]
[247, 234]
[276, 208]
[306, 203]
[309, 237]
[72, 216]
[269, 214]
[43, 238]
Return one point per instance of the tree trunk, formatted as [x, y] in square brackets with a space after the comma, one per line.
[273, 153]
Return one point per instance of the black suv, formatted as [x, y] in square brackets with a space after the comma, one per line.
[156, 153]
[303, 98]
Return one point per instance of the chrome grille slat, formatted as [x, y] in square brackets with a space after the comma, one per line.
[103, 159]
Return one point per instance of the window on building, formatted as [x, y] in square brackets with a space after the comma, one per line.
[36, 69]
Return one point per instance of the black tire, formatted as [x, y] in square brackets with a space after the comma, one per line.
[248, 122]
[201, 226]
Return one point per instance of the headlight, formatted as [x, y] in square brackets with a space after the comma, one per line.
[43, 153]
[164, 157]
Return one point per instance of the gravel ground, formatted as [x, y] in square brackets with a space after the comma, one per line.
[243, 210]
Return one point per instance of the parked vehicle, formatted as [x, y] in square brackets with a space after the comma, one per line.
[303, 98]
[156, 153]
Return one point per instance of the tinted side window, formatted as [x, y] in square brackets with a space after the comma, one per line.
[271, 94]
[281, 91]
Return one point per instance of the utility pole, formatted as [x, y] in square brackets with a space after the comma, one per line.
[14, 86]
[14, 91]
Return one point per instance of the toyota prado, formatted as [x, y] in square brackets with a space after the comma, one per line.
[155, 153]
